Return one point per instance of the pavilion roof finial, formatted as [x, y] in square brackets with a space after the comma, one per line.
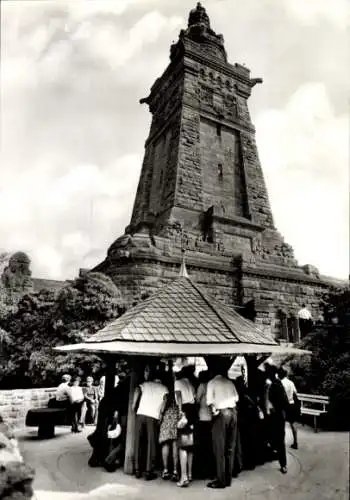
[183, 271]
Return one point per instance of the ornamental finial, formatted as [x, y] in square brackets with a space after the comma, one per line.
[198, 16]
[183, 271]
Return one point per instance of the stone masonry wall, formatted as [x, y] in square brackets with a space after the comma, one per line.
[14, 404]
[259, 205]
[189, 186]
[270, 295]
[275, 296]
[222, 187]
[147, 276]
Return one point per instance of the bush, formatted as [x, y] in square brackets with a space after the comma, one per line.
[327, 370]
[44, 320]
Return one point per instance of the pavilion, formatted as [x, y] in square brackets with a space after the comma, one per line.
[180, 319]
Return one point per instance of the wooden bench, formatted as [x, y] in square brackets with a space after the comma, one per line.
[313, 405]
[46, 419]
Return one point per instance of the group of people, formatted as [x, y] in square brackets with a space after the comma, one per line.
[211, 426]
[205, 427]
[79, 400]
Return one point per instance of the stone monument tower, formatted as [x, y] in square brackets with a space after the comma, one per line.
[202, 190]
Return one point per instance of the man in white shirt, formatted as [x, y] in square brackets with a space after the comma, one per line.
[147, 402]
[294, 409]
[63, 392]
[305, 321]
[222, 398]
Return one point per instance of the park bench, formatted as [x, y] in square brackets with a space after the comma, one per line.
[46, 419]
[313, 405]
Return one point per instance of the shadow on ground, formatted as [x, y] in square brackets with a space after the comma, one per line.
[318, 470]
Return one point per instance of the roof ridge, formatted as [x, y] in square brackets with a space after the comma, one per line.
[244, 320]
[215, 302]
[202, 294]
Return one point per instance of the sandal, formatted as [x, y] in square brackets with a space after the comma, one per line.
[165, 475]
[175, 477]
[183, 484]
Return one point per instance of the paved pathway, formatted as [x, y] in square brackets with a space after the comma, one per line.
[317, 471]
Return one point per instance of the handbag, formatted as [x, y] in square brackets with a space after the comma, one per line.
[182, 422]
[115, 433]
[186, 440]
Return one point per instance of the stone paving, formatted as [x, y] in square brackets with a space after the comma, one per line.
[318, 470]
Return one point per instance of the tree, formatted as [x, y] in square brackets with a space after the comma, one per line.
[44, 320]
[327, 370]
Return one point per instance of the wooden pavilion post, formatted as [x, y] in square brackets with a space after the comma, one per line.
[130, 432]
[110, 361]
[251, 360]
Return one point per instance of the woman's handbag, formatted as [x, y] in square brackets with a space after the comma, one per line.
[115, 433]
[182, 422]
[186, 440]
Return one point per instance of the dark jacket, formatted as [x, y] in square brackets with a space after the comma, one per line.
[278, 398]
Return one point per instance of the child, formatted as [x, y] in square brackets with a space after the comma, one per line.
[90, 401]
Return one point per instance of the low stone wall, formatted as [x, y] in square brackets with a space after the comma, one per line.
[14, 404]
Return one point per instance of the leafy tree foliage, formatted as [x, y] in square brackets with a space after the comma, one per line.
[327, 370]
[44, 320]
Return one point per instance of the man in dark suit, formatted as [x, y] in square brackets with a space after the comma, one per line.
[275, 409]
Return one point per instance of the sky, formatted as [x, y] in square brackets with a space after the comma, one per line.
[73, 131]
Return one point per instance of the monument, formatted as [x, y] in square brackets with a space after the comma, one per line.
[202, 191]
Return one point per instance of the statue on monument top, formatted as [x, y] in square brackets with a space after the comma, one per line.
[199, 16]
[199, 30]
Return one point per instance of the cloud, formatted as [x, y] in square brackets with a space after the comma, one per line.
[304, 153]
[63, 219]
[310, 12]
[73, 132]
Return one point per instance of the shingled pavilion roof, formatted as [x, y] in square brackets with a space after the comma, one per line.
[181, 312]
[179, 319]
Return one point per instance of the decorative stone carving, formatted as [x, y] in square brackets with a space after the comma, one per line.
[16, 276]
[311, 270]
[172, 228]
[207, 225]
[257, 247]
[207, 95]
[123, 246]
[285, 250]
[230, 104]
